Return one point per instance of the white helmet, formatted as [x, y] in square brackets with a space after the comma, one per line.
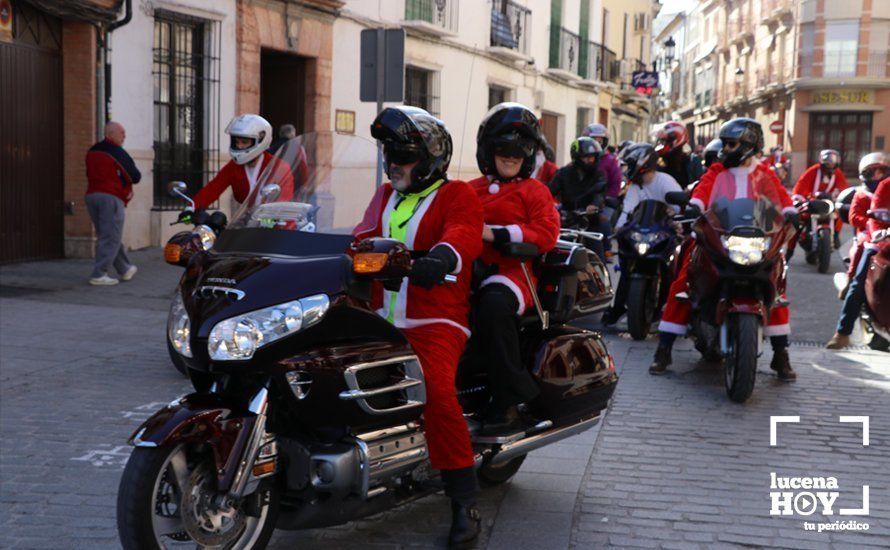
[872, 160]
[253, 127]
[595, 130]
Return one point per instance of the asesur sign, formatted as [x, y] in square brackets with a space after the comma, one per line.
[777, 127]
[843, 97]
[644, 81]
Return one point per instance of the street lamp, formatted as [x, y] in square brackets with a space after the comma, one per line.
[739, 75]
[669, 47]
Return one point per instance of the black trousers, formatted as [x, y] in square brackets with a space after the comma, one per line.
[496, 335]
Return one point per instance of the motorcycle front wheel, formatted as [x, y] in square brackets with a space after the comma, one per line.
[167, 498]
[741, 363]
[824, 247]
[640, 308]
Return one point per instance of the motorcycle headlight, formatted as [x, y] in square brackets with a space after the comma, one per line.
[179, 328]
[207, 236]
[745, 250]
[636, 236]
[642, 248]
[238, 338]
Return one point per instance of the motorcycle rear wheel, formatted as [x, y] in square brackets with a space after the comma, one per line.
[640, 308]
[150, 503]
[825, 248]
[741, 363]
[495, 474]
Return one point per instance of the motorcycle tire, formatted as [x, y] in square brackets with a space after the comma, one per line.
[136, 497]
[176, 359]
[490, 474]
[825, 247]
[640, 308]
[741, 364]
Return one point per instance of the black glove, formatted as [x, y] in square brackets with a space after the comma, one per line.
[793, 218]
[430, 270]
[692, 211]
[185, 216]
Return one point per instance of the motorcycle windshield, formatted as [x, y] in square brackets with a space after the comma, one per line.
[307, 199]
[650, 212]
[749, 201]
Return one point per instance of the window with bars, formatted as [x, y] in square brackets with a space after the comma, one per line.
[497, 94]
[422, 89]
[185, 74]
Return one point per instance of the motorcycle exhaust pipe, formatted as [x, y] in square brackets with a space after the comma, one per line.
[509, 451]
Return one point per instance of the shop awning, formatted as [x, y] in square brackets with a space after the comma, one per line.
[92, 11]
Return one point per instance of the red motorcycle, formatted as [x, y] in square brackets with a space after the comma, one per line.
[816, 238]
[736, 275]
[877, 288]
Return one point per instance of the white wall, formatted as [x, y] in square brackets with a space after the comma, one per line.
[132, 105]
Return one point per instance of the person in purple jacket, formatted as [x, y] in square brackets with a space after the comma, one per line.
[608, 163]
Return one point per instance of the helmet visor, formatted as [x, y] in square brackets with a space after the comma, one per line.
[400, 154]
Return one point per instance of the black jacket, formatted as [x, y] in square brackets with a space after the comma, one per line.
[576, 189]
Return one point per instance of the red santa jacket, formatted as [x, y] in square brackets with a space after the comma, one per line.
[880, 201]
[450, 216]
[810, 183]
[720, 181]
[526, 210]
[859, 209]
[111, 170]
[234, 175]
[546, 172]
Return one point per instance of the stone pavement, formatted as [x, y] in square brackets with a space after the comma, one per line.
[674, 465]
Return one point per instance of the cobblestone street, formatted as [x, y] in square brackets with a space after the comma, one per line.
[675, 464]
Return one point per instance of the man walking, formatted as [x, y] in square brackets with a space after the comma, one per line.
[111, 174]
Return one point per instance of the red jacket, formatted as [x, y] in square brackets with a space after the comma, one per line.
[450, 216]
[546, 172]
[859, 209]
[810, 183]
[525, 209]
[880, 200]
[111, 170]
[720, 181]
[235, 176]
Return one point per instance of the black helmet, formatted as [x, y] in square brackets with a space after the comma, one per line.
[585, 147]
[829, 160]
[624, 145]
[410, 134]
[511, 128]
[747, 133]
[638, 159]
[712, 151]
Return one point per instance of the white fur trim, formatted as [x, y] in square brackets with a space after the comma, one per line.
[777, 330]
[387, 214]
[459, 262]
[500, 279]
[493, 189]
[515, 233]
[697, 201]
[414, 222]
[672, 328]
[412, 323]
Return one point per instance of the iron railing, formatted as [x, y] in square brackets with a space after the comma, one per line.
[509, 25]
[877, 65]
[441, 13]
[568, 46]
[600, 64]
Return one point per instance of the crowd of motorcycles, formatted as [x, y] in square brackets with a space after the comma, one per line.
[307, 409]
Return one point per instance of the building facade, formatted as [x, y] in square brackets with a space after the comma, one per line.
[814, 73]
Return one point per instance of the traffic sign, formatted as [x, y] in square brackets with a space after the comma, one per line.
[777, 127]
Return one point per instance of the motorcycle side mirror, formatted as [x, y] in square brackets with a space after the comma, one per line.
[270, 192]
[178, 189]
[677, 198]
[380, 258]
[613, 202]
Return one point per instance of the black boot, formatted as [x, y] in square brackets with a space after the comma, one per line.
[781, 363]
[662, 360]
[501, 422]
[466, 521]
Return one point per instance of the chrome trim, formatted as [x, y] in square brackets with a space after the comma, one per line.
[365, 468]
[210, 290]
[258, 406]
[523, 446]
[259, 402]
[413, 385]
[138, 442]
[544, 315]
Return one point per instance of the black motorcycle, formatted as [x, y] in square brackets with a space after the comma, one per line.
[308, 406]
[816, 237]
[649, 249]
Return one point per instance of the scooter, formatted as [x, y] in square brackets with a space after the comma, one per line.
[308, 406]
[817, 234]
[736, 275]
[649, 247]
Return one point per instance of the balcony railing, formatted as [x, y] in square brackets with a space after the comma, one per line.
[432, 14]
[877, 65]
[568, 46]
[509, 26]
[600, 64]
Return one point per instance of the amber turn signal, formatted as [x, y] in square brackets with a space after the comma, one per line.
[369, 262]
[172, 253]
[264, 468]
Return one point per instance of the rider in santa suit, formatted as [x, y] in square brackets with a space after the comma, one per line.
[517, 208]
[424, 209]
[737, 175]
[250, 137]
[823, 177]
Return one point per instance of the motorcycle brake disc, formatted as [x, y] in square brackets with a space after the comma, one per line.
[209, 518]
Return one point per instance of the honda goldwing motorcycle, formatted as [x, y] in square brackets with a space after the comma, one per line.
[736, 274]
[817, 234]
[649, 247]
[308, 406]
